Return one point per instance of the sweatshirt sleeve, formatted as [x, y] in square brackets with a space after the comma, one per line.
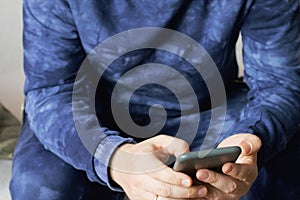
[271, 53]
[52, 56]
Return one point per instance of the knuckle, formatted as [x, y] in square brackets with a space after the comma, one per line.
[249, 176]
[181, 145]
[160, 191]
[212, 178]
[165, 191]
[232, 188]
[185, 145]
[190, 194]
[173, 180]
[214, 198]
[162, 136]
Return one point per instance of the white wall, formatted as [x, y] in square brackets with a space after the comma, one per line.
[11, 58]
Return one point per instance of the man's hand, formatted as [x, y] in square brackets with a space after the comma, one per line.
[139, 169]
[238, 177]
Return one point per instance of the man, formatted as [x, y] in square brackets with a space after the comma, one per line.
[53, 161]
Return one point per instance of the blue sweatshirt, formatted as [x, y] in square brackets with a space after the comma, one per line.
[59, 34]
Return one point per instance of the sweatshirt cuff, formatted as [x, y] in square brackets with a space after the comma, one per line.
[102, 156]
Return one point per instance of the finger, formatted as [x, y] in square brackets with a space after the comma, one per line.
[168, 175]
[243, 172]
[172, 191]
[166, 198]
[171, 145]
[219, 181]
[255, 144]
[248, 155]
[144, 195]
[214, 193]
[249, 143]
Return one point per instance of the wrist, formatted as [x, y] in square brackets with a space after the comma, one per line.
[102, 158]
[116, 162]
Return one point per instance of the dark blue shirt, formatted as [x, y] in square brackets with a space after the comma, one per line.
[59, 34]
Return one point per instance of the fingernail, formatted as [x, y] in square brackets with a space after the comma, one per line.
[203, 175]
[202, 192]
[185, 182]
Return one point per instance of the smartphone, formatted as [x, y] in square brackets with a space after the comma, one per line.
[213, 159]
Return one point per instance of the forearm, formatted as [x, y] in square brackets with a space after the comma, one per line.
[271, 58]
